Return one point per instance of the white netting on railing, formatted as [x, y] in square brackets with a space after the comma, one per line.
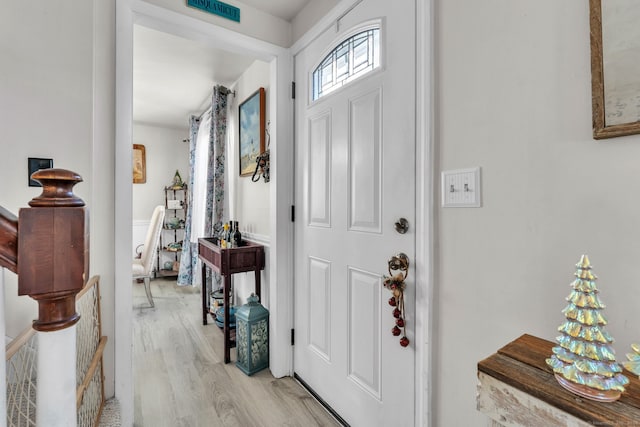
[88, 328]
[89, 360]
[22, 365]
[89, 409]
[21, 380]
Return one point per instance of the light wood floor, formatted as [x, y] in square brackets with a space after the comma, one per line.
[180, 379]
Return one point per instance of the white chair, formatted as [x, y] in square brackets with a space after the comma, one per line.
[143, 266]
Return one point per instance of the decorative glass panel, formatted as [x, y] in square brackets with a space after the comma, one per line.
[350, 60]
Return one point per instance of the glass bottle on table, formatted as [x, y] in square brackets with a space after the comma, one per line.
[230, 234]
[225, 236]
[237, 236]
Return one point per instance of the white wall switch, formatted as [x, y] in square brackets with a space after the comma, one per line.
[461, 188]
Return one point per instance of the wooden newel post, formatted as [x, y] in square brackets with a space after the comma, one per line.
[53, 265]
[53, 245]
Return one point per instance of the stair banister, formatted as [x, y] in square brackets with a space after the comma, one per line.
[8, 240]
[8, 260]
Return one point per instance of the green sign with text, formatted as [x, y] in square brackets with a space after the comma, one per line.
[217, 8]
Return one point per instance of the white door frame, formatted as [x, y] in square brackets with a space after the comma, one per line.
[425, 190]
[129, 12]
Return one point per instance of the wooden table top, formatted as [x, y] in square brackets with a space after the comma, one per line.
[521, 364]
[248, 257]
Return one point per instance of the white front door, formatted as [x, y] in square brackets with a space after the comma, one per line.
[355, 177]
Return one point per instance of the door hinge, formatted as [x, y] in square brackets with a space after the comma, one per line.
[293, 90]
[293, 336]
[293, 213]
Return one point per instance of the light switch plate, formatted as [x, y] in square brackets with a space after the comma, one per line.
[461, 188]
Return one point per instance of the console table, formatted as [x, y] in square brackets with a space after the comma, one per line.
[248, 257]
[517, 388]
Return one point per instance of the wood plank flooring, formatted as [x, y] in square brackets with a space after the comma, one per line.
[180, 379]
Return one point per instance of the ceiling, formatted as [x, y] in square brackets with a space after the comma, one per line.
[173, 76]
[285, 9]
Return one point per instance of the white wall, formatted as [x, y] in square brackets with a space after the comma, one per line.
[58, 102]
[310, 15]
[250, 203]
[253, 22]
[514, 97]
[258, 24]
[165, 152]
[103, 165]
[45, 109]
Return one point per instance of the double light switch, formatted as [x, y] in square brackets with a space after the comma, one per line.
[461, 188]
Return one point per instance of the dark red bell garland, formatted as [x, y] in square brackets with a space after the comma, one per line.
[396, 285]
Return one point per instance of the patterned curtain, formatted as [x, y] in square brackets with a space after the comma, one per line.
[216, 201]
[189, 257]
[215, 204]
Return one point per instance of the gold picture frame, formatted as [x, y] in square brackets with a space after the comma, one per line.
[139, 164]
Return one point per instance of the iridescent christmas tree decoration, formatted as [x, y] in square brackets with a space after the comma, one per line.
[584, 361]
[633, 364]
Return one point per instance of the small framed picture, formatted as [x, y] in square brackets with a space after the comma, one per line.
[35, 164]
[139, 164]
[252, 134]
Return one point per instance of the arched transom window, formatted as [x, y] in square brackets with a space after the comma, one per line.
[350, 60]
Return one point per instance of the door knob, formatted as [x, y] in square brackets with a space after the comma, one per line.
[400, 262]
[402, 225]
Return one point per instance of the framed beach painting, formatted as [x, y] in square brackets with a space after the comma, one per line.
[252, 131]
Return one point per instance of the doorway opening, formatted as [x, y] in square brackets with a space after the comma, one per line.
[163, 20]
